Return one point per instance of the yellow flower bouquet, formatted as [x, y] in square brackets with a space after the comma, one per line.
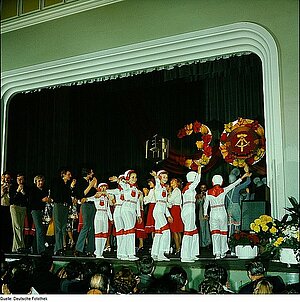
[284, 233]
[265, 227]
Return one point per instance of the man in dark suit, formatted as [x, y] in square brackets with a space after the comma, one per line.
[256, 271]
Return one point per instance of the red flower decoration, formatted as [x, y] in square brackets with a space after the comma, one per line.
[197, 126]
[207, 138]
[207, 150]
[202, 145]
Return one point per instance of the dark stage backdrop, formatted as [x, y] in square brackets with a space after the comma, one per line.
[105, 124]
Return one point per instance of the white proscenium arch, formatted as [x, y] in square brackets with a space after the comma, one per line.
[198, 45]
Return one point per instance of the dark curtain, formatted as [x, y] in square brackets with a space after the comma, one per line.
[105, 124]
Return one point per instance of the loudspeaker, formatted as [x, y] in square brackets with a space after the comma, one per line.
[251, 210]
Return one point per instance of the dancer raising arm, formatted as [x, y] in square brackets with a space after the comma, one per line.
[162, 238]
[215, 197]
[190, 240]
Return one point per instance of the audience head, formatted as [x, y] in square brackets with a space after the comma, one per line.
[44, 263]
[146, 265]
[211, 286]
[255, 269]
[263, 286]
[19, 277]
[88, 270]
[162, 285]
[106, 268]
[179, 276]
[216, 272]
[73, 270]
[125, 281]
[20, 282]
[100, 283]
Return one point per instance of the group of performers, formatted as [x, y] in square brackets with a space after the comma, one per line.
[170, 219]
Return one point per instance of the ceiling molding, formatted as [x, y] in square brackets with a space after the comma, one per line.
[198, 45]
[51, 13]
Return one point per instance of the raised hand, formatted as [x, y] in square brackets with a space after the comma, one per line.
[113, 178]
[153, 173]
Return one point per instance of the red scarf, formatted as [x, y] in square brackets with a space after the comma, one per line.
[187, 186]
[215, 191]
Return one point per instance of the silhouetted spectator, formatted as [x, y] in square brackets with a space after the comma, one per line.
[162, 285]
[125, 281]
[211, 286]
[44, 281]
[73, 272]
[219, 273]
[107, 269]
[82, 286]
[179, 276]
[146, 268]
[256, 271]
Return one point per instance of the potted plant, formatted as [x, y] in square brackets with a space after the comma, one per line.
[266, 228]
[286, 245]
[245, 244]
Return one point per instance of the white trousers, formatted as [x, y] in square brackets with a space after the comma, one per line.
[128, 213]
[190, 239]
[218, 229]
[101, 232]
[119, 226]
[162, 238]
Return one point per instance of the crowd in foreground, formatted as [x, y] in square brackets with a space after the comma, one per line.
[39, 276]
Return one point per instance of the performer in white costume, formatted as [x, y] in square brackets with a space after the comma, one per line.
[215, 197]
[162, 238]
[130, 212]
[118, 220]
[102, 215]
[190, 240]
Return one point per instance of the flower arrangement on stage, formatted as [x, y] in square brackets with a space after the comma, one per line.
[242, 142]
[243, 238]
[288, 235]
[265, 227]
[203, 145]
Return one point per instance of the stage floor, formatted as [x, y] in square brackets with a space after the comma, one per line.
[206, 256]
